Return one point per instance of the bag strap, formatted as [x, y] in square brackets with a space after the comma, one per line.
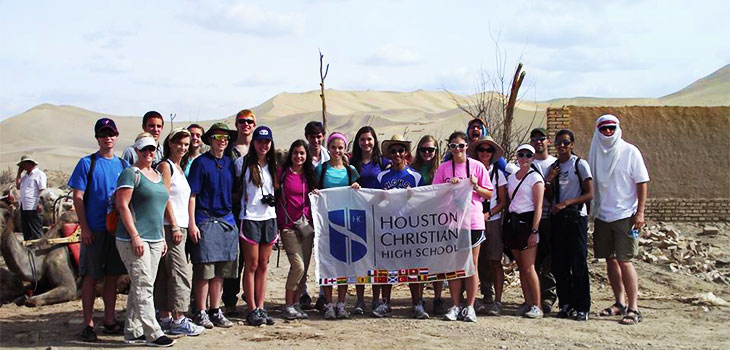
[89, 177]
[453, 168]
[244, 187]
[519, 184]
[495, 181]
[323, 172]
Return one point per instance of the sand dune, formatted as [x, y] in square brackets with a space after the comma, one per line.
[58, 135]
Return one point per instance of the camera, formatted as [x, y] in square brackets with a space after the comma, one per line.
[269, 199]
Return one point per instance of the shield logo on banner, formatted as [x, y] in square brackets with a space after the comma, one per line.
[348, 234]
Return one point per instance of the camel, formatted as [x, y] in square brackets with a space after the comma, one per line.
[47, 267]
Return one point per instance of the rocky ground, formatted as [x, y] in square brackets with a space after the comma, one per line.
[679, 313]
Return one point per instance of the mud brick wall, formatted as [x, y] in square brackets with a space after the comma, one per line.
[684, 149]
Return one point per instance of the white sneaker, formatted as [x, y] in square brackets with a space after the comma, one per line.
[533, 312]
[186, 327]
[341, 311]
[468, 314]
[329, 312]
[419, 312]
[452, 314]
[383, 310]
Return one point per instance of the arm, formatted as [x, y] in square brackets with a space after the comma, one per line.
[164, 169]
[123, 197]
[193, 231]
[551, 175]
[481, 191]
[642, 190]
[17, 178]
[538, 190]
[501, 201]
[87, 237]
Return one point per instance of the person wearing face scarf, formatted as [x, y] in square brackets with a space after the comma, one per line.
[621, 186]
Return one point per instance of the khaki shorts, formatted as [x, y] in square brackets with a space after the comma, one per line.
[493, 244]
[612, 240]
[222, 269]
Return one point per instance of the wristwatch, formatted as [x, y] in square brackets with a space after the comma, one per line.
[534, 231]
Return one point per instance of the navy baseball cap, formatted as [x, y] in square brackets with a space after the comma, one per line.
[105, 123]
[262, 133]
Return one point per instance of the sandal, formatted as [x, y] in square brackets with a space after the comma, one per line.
[631, 318]
[614, 310]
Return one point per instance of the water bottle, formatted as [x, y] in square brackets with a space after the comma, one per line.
[634, 233]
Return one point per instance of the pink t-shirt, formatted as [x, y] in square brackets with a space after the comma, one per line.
[295, 193]
[445, 172]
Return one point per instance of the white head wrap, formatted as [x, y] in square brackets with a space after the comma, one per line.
[603, 156]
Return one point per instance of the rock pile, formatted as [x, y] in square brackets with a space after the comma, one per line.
[663, 244]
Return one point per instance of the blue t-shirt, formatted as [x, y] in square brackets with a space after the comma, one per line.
[211, 179]
[336, 177]
[405, 178]
[369, 173]
[103, 183]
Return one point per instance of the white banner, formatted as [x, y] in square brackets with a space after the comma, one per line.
[371, 236]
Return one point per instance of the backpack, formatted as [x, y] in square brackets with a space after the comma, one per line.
[324, 171]
[112, 216]
[556, 195]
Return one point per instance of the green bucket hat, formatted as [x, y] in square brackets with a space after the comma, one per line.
[232, 134]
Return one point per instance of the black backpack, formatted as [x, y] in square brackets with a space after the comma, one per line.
[89, 175]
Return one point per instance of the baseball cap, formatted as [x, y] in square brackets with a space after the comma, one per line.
[262, 133]
[540, 130]
[105, 123]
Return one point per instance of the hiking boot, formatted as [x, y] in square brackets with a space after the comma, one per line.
[581, 316]
[419, 312]
[321, 303]
[219, 320]
[438, 306]
[340, 311]
[88, 334]
[161, 342]
[254, 318]
[565, 312]
[132, 341]
[468, 314]
[202, 319]
[289, 313]
[452, 314]
[329, 312]
[305, 301]
[533, 312]
[268, 319]
[383, 310]
[185, 327]
[359, 308]
[495, 309]
[116, 328]
[165, 325]
[522, 309]
[302, 315]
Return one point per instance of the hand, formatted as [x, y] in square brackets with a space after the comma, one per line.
[39, 208]
[315, 191]
[454, 180]
[639, 220]
[87, 237]
[554, 171]
[177, 236]
[558, 207]
[474, 181]
[487, 216]
[164, 248]
[138, 246]
[355, 186]
[194, 233]
[533, 240]
[17, 183]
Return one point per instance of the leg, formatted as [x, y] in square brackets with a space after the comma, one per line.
[616, 279]
[109, 295]
[630, 282]
[562, 244]
[486, 277]
[455, 290]
[200, 290]
[360, 292]
[543, 262]
[251, 254]
[260, 277]
[498, 273]
[327, 293]
[472, 283]
[386, 289]
[88, 294]
[579, 267]
[341, 293]
[215, 288]
[294, 252]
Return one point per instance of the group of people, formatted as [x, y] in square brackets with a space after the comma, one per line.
[224, 208]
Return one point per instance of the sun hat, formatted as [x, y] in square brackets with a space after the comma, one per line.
[527, 147]
[396, 140]
[232, 134]
[27, 158]
[262, 133]
[498, 150]
[176, 131]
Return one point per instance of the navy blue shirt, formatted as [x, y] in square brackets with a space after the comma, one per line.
[369, 174]
[405, 178]
[211, 179]
[103, 183]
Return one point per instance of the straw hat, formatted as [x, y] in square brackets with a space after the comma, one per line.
[27, 158]
[396, 140]
[488, 140]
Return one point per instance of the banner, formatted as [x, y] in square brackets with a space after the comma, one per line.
[371, 236]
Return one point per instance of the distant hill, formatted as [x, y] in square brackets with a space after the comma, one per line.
[58, 135]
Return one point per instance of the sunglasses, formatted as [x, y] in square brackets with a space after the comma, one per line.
[538, 139]
[399, 150]
[219, 137]
[245, 121]
[457, 145]
[104, 135]
[427, 149]
[527, 155]
[607, 127]
[148, 149]
[488, 149]
[565, 143]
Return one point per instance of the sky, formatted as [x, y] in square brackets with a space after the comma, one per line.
[209, 59]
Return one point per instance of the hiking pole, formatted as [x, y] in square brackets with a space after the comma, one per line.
[278, 252]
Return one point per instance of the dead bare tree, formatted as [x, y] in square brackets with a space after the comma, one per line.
[495, 100]
[172, 120]
[322, 77]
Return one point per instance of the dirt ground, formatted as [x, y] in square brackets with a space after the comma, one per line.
[670, 321]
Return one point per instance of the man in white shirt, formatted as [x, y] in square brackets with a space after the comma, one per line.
[543, 260]
[314, 132]
[153, 123]
[30, 185]
[621, 188]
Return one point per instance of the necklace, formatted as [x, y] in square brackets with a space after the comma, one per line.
[217, 164]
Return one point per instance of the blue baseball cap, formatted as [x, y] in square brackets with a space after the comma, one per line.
[262, 133]
[105, 123]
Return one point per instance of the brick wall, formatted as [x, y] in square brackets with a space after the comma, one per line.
[556, 119]
[683, 209]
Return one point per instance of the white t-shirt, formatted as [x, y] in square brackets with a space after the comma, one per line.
[544, 166]
[522, 201]
[323, 157]
[570, 186]
[31, 185]
[255, 209]
[619, 199]
[179, 196]
[498, 180]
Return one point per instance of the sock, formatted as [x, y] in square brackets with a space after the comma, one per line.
[213, 311]
[179, 320]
